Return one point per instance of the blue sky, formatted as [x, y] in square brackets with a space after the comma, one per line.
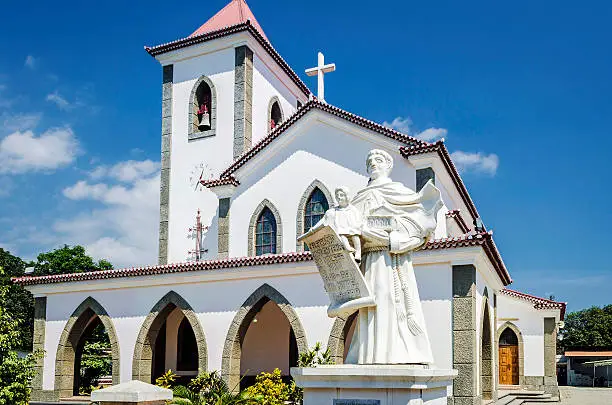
[523, 89]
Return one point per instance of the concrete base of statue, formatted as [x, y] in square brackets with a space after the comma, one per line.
[395, 384]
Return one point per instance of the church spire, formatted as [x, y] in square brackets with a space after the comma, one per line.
[235, 12]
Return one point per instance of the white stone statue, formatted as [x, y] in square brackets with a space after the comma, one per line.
[396, 221]
[346, 220]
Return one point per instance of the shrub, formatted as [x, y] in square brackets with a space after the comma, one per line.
[166, 380]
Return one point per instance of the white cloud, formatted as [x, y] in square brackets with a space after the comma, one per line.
[22, 152]
[432, 134]
[59, 101]
[19, 122]
[31, 62]
[476, 162]
[127, 171]
[125, 229]
[404, 124]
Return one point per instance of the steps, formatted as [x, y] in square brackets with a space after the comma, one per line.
[523, 397]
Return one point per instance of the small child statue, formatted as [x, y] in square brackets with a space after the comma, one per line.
[346, 220]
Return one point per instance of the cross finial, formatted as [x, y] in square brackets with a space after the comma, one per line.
[319, 71]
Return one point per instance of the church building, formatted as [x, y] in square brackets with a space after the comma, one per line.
[250, 159]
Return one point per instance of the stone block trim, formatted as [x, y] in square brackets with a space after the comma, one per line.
[164, 192]
[70, 339]
[223, 228]
[487, 358]
[253, 221]
[423, 176]
[337, 337]
[40, 320]
[194, 132]
[299, 221]
[243, 100]
[550, 351]
[232, 350]
[143, 350]
[464, 334]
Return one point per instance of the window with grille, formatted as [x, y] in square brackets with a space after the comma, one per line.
[265, 233]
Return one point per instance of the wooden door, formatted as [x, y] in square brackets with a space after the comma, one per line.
[508, 365]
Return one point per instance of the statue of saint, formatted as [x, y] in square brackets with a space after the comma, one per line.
[396, 221]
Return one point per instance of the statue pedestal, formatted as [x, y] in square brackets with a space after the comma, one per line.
[393, 384]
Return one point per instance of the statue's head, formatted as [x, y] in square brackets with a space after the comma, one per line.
[342, 196]
[379, 164]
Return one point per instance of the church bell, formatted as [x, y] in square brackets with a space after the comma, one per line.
[204, 118]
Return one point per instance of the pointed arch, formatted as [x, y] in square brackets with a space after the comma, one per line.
[232, 350]
[337, 337]
[299, 221]
[486, 350]
[193, 119]
[253, 222]
[143, 351]
[521, 348]
[70, 339]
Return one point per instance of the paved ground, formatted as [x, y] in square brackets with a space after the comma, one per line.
[585, 396]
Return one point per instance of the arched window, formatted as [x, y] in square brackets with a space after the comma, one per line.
[275, 113]
[316, 206]
[202, 114]
[508, 338]
[265, 233]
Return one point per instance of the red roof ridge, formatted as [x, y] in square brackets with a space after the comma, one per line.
[440, 148]
[234, 12]
[226, 31]
[539, 302]
[314, 103]
[456, 215]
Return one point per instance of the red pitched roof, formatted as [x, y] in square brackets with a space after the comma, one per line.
[227, 31]
[456, 215]
[236, 12]
[312, 104]
[483, 240]
[538, 302]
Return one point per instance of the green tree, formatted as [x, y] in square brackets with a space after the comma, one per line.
[68, 260]
[16, 373]
[96, 360]
[18, 302]
[588, 329]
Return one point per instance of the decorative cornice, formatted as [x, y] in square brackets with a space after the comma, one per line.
[538, 302]
[226, 181]
[440, 148]
[223, 32]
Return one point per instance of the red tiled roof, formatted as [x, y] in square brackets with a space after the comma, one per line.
[456, 215]
[314, 103]
[231, 180]
[538, 302]
[223, 32]
[447, 243]
[166, 269]
[483, 239]
[235, 12]
[440, 148]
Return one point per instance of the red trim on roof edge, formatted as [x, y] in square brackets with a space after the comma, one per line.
[231, 180]
[338, 112]
[233, 29]
[456, 215]
[447, 243]
[440, 148]
[538, 302]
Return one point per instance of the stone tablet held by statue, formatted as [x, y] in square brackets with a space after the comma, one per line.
[342, 278]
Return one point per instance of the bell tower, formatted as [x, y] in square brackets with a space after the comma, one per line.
[218, 86]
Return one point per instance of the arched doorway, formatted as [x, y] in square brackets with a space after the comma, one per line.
[508, 358]
[486, 354]
[88, 333]
[266, 333]
[171, 338]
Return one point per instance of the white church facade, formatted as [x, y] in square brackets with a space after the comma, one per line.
[256, 157]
